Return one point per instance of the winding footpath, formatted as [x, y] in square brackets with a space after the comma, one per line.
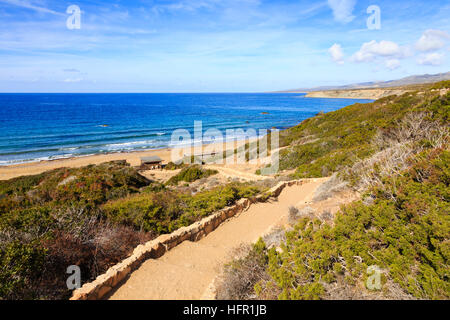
[233, 173]
[188, 270]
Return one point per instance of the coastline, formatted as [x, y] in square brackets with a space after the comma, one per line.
[370, 94]
[132, 157]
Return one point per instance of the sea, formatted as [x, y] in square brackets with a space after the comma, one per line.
[36, 127]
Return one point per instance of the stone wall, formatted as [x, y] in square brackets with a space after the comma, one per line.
[156, 248]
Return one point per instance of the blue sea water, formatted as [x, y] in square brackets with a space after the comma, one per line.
[38, 127]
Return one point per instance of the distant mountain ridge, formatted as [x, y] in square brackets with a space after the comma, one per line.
[411, 80]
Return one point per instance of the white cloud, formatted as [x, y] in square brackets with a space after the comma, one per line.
[431, 59]
[194, 5]
[342, 10]
[371, 50]
[336, 53]
[432, 40]
[29, 5]
[392, 64]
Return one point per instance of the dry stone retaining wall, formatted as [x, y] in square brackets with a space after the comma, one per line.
[154, 249]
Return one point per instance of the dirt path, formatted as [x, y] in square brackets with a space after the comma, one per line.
[233, 173]
[186, 271]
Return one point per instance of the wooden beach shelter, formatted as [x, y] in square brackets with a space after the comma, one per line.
[150, 163]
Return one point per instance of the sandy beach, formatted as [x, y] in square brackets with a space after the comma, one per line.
[133, 158]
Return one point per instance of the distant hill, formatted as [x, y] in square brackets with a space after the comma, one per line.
[411, 80]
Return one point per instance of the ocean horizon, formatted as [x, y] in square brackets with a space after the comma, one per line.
[48, 126]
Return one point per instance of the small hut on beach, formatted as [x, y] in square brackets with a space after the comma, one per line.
[150, 163]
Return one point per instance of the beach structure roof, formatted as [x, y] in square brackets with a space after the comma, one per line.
[152, 159]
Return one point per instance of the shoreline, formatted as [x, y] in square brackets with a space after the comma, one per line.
[11, 171]
[132, 157]
[369, 94]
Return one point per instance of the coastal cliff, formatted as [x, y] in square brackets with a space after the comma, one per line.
[373, 94]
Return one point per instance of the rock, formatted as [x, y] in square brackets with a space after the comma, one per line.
[158, 249]
[103, 291]
[79, 295]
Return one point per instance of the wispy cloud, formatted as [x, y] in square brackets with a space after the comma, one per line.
[342, 10]
[336, 53]
[432, 40]
[431, 59]
[216, 45]
[392, 64]
[31, 6]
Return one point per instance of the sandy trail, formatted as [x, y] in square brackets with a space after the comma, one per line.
[233, 173]
[186, 271]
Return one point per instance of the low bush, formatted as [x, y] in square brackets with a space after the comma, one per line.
[190, 174]
[52, 220]
[174, 166]
[406, 235]
[165, 211]
[242, 274]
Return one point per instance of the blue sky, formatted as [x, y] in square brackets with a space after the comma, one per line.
[216, 45]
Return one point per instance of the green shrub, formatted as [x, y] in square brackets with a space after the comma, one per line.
[148, 212]
[174, 166]
[20, 264]
[407, 235]
[190, 174]
[165, 211]
[91, 185]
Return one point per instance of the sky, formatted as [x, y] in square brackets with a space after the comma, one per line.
[217, 45]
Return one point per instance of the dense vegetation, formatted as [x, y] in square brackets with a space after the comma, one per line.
[406, 236]
[395, 152]
[52, 220]
[92, 217]
[166, 211]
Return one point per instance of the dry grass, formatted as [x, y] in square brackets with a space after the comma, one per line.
[275, 237]
[240, 276]
[77, 238]
[295, 214]
[396, 147]
[330, 188]
[341, 290]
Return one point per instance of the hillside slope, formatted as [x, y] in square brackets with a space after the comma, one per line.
[371, 94]
[394, 243]
[92, 217]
